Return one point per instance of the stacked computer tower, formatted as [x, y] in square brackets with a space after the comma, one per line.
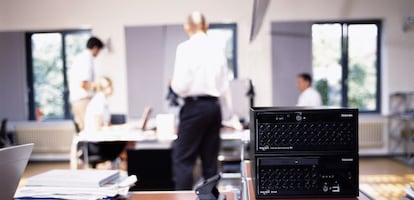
[304, 152]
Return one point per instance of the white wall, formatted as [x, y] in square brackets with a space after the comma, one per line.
[108, 20]
[291, 55]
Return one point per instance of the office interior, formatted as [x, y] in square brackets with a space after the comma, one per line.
[141, 37]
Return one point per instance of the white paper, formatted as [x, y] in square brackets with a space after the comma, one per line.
[118, 187]
[78, 178]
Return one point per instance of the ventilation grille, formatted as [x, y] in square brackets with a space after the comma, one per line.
[371, 133]
[48, 137]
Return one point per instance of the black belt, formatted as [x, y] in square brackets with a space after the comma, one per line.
[198, 98]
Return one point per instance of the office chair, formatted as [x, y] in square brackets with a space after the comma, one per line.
[98, 152]
[118, 119]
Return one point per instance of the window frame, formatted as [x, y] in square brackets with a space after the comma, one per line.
[30, 75]
[233, 28]
[345, 58]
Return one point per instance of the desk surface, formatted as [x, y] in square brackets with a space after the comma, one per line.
[126, 133]
[118, 134]
[170, 195]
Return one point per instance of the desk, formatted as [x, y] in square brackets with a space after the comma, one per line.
[116, 133]
[248, 188]
[123, 133]
[170, 195]
[148, 139]
[151, 161]
[120, 133]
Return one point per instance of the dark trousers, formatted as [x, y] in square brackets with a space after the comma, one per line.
[198, 135]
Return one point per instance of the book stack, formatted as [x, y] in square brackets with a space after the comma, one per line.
[76, 184]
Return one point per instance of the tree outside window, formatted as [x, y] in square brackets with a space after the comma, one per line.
[49, 55]
[346, 64]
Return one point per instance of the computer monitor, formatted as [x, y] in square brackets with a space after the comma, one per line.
[144, 118]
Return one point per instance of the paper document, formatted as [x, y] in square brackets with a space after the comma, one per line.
[120, 186]
[73, 178]
[45, 192]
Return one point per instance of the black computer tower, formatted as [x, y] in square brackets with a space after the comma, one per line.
[304, 152]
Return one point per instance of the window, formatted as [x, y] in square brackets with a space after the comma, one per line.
[346, 63]
[226, 35]
[49, 54]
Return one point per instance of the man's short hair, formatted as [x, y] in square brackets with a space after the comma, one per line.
[307, 77]
[94, 42]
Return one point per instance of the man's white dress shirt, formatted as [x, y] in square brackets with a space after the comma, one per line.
[81, 70]
[200, 68]
[310, 97]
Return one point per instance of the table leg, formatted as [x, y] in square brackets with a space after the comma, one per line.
[85, 155]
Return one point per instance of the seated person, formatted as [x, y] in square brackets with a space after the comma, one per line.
[98, 116]
[97, 113]
[308, 96]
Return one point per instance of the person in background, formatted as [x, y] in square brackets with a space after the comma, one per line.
[309, 96]
[97, 113]
[81, 78]
[200, 77]
[97, 117]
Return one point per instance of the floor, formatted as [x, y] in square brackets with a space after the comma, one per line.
[384, 178]
[381, 178]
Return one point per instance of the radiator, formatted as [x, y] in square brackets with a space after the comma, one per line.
[372, 134]
[53, 137]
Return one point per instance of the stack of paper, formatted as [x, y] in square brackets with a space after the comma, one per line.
[75, 193]
[76, 184]
[79, 178]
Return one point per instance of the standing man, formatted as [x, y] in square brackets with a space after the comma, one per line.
[200, 77]
[81, 78]
[308, 96]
